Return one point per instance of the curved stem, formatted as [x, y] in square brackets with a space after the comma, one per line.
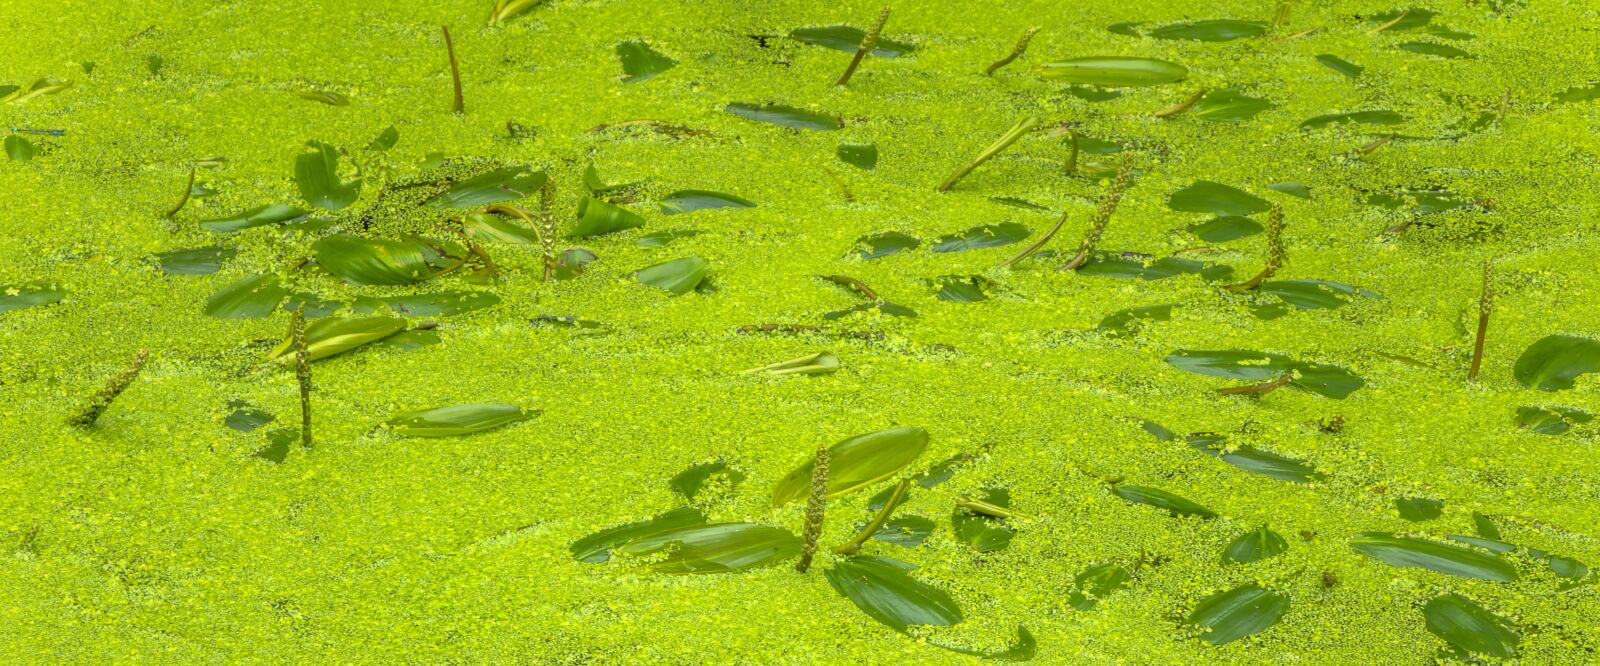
[894, 501]
[188, 189]
[1016, 132]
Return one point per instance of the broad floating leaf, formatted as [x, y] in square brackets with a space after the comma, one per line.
[1242, 611]
[1225, 228]
[596, 548]
[1554, 362]
[1113, 71]
[331, 336]
[1340, 65]
[1258, 544]
[456, 420]
[1291, 188]
[598, 218]
[1443, 558]
[411, 340]
[856, 463]
[818, 363]
[906, 531]
[19, 149]
[1314, 294]
[983, 532]
[1161, 499]
[689, 201]
[1383, 117]
[385, 139]
[963, 288]
[1416, 509]
[1205, 196]
[718, 548]
[786, 116]
[278, 441]
[1403, 19]
[441, 303]
[689, 482]
[328, 97]
[1096, 583]
[18, 298]
[246, 417]
[848, 39]
[981, 237]
[317, 173]
[1325, 380]
[1212, 30]
[1550, 420]
[679, 276]
[1123, 322]
[662, 238]
[250, 298]
[1469, 628]
[641, 63]
[1251, 459]
[884, 244]
[859, 155]
[1134, 265]
[1436, 50]
[1579, 93]
[255, 217]
[196, 261]
[883, 588]
[498, 229]
[500, 185]
[1229, 106]
[373, 261]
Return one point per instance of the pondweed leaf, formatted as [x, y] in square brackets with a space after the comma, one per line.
[1145, 267]
[317, 173]
[598, 218]
[1225, 228]
[1113, 71]
[962, 288]
[848, 39]
[787, 116]
[1096, 583]
[411, 340]
[1251, 459]
[573, 262]
[1123, 322]
[1382, 117]
[21, 297]
[328, 97]
[1402, 19]
[1212, 30]
[1229, 105]
[1205, 196]
[859, 155]
[689, 482]
[816, 363]
[1436, 50]
[883, 588]
[663, 238]
[596, 548]
[19, 149]
[278, 441]
[46, 86]
[1291, 188]
[1242, 611]
[981, 237]
[505, 10]
[456, 420]
[1258, 544]
[1161, 499]
[373, 261]
[1325, 380]
[983, 532]
[1467, 627]
[246, 417]
[1416, 509]
[440, 303]
[1555, 362]
[330, 336]
[1550, 420]
[718, 548]
[195, 261]
[679, 276]
[1314, 294]
[689, 201]
[1579, 93]
[1340, 65]
[498, 229]
[906, 531]
[641, 63]
[250, 298]
[856, 463]
[500, 185]
[883, 244]
[385, 139]
[1443, 558]
[255, 217]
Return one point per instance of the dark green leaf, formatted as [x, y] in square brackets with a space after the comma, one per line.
[962, 288]
[1325, 380]
[19, 149]
[1491, 545]
[848, 39]
[500, 185]
[1466, 626]
[1126, 28]
[1205, 196]
[328, 97]
[1258, 544]
[331, 336]
[884, 244]
[1123, 322]
[1579, 93]
[1340, 65]
[1158, 431]
[1313, 294]
[786, 116]
[497, 229]
[385, 139]
[317, 173]
[689, 201]
[196, 261]
[1096, 583]
[1360, 117]
[1291, 188]
[1486, 527]
[1436, 50]
[1113, 71]
[1213, 30]
[1409, 18]
[1161, 499]
[856, 463]
[1229, 106]
[441, 303]
[1443, 558]
[1093, 94]
[1251, 459]
[689, 482]
[1226, 228]
[596, 547]
[1554, 362]
[984, 533]
[373, 261]
[907, 531]
[1550, 420]
[662, 238]
[255, 217]
[246, 417]
[1242, 611]
[716, 548]
[859, 155]
[640, 62]
[456, 420]
[1134, 265]
[18, 298]
[278, 441]
[883, 589]
[252, 297]
[679, 276]
[1416, 509]
[598, 218]
[981, 237]
[411, 340]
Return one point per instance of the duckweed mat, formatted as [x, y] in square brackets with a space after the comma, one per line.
[1258, 333]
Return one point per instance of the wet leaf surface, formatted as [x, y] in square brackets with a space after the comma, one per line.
[721, 548]
[1242, 611]
[1555, 362]
[253, 297]
[598, 218]
[847, 39]
[642, 63]
[689, 201]
[982, 237]
[883, 588]
[786, 116]
[883, 244]
[1205, 196]
[1443, 558]
[679, 276]
[1469, 628]
[856, 463]
[596, 548]
[1162, 499]
[457, 420]
[1255, 545]
[498, 186]
[255, 217]
[1113, 71]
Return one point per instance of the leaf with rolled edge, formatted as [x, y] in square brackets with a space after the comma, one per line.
[1554, 362]
[441, 303]
[250, 298]
[1210, 30]
[1325, 380]
[373, 261]
[1229, 105]
[456, 420]
[717, 548]
[1314, 294]
[317, 173]
[848, 39]
[598, 218]
[255, 217]
[1443, 558]
[1113, 71]
[1469, 628]
[1242, 611]
[1095, 583]
[330, 336]
[856, 463]
[883, 244]
[641, 63]
[19, 298]
[786, 116]
[679, 276]
[1252, 459]
[963, 288]
[500, 185]
[883, 588]
[1204, 196]
[982, 237]
[596, 548]
[1380, 117]
[195, 261]
[689, 201]
[1258, 544]
[497, 229]
[1161, 499]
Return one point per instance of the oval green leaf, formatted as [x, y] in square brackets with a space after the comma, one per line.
[1258, 544]
[641, 63]
[1360, 117]
[859, 155]
[981, 237]
[598, 218]
[18, 298]
[1225, 228]
[317, 173]
[1242, 611]
[455, 420]
[679, 276]
[848, 39]
[1554, 362]
[1340, 65]
[19, 149]
[884, 244]
[372, 261]
[1469, 628]
[689, 201]
[856, 463]
[1205, 196]
[1113, 71]
[1229, 106]
[1161, 499]
[1096, 583]
[883, 588]
[500, 185]
[787, 116]
[1443, 558]
[718, 548]
[250, 298]
[331, 336]
[195, 261]
[596, 548]
[1212, 30]
[255, 217]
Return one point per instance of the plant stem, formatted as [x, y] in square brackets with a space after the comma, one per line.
[1016, 132]
[1377, 144]
[816, 509]
[985, 508]
[1034, 247]
[302, 372]
[1259, 389]
[1072, 157]
[894, 501]
[1485, 308]
[1102, 217]
[457, 105]
[1180, 107]
[1021, 47]
[1281, 17]
[854, 285]
[1275, 255]
[544, 229]
[869, 42]
[109, 393]
[187, 189]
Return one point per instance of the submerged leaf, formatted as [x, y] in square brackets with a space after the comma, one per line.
[1113, 71]
[1229, 106]
[255, 217]
[786, 116]
[1437, 50]
[689, 482]
[500, 185]
[196, 261]
[859, 155]
[856, 463]
[641, 63]
[962, 288]
[1251, 459]
[440, 303]
[1123, 322]
[718, 548]
[1096, 583]
[848, 39]
[19, 149]
[1554, 362]
[250, 298]
[1225, 228]
[981, 237]
[1466, 626]
[1384, 117]
[1314, 294]
[1417, 509]
[884, 244]
[1242, 611]
[1550, 420]
[689, 201]
[1258, 544]
[907, 531]
[1340, 65]
[984, 533]
[19, 298]
[373, 261]
[1212, 30]
[1161, 499]
[1205, 196]
[883, 589]
[317, 173]
[331, 336]
[1443, 558]
[1325, 380]
[596, 547]
[246, 417]
[598, 218]
[455, 420]
[679, 276]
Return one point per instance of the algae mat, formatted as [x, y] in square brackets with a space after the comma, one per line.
[1237, 428]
